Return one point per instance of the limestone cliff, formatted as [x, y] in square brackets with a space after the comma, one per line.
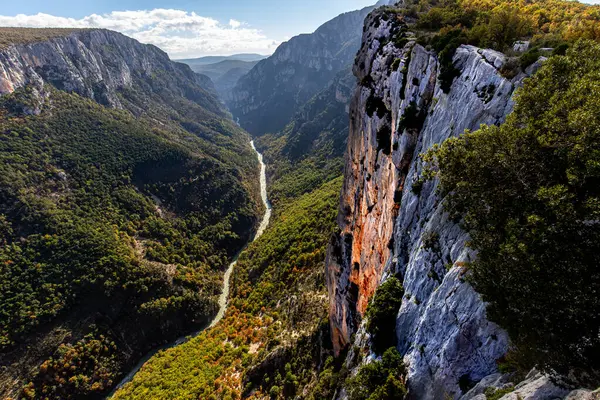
[393, 224]
[101, 64]
[266, 99]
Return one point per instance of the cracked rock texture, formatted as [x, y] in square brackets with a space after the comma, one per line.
[101, 65]
[393, 224]
[535, 386]
[267, 98]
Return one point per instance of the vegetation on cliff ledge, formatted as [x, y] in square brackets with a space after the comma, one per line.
[17, 36]
[382, 312]
[498, 24]
[529, 192]
[382, 379]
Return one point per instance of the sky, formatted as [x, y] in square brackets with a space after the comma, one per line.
[186, 28]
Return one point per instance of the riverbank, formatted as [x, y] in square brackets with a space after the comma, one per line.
[223, 298]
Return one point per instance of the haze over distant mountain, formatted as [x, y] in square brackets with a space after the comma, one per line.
[249, 57]
[224, 74]
[267, 97]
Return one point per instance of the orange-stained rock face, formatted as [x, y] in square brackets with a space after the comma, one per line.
[398, 112]
[368, 199]
[377, 160]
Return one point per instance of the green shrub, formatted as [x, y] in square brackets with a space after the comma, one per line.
[498, 25]
[379, 380]
[560, 50]
[88, 366]
[529, 192]
[529, 57]
[17, 36]
[492, 393]
[274, 392]
[446, 43]
[417, 186]
[431, 241]
[412, 118]
[381, 314]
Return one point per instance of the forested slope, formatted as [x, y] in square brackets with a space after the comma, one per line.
[273, 341]
[309, 150]
[118, 215]
[273, 335]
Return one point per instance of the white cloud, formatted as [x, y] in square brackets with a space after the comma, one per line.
[180, 33]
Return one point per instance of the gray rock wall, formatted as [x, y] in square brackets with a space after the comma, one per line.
[268, 96]
[388, 228]
[98, 64]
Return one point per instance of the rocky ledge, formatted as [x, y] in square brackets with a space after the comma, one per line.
[99, 64]
[392, 222]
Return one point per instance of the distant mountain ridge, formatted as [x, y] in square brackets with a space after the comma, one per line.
[224, 74]
[268, 97]
[248, 57]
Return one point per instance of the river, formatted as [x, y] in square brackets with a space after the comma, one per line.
[225, 292]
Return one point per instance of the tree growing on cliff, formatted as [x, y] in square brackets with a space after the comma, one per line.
[379, 380]
[381, 314]
[529, 192]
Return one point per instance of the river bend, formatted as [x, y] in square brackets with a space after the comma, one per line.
[223, 298]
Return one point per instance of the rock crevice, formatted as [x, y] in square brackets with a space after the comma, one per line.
[101, 65]
[393, 223]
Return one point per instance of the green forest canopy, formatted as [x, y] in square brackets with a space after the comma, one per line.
[529, 192]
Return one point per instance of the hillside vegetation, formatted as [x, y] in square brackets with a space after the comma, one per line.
[269, 340]
[16, 36]
[529, 194]
[117, 224]
[549, 25]
[310, 150]
[114, 238]
[498, 24]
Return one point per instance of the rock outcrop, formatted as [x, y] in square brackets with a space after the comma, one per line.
[100, 64]
[267, 98]
[393, 223]
[171, 156]
[535, 386]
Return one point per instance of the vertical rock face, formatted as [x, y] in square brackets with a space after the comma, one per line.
[100, 63]
[393, 224]
[267, 97]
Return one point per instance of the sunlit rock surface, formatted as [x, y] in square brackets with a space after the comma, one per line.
[391, 223]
